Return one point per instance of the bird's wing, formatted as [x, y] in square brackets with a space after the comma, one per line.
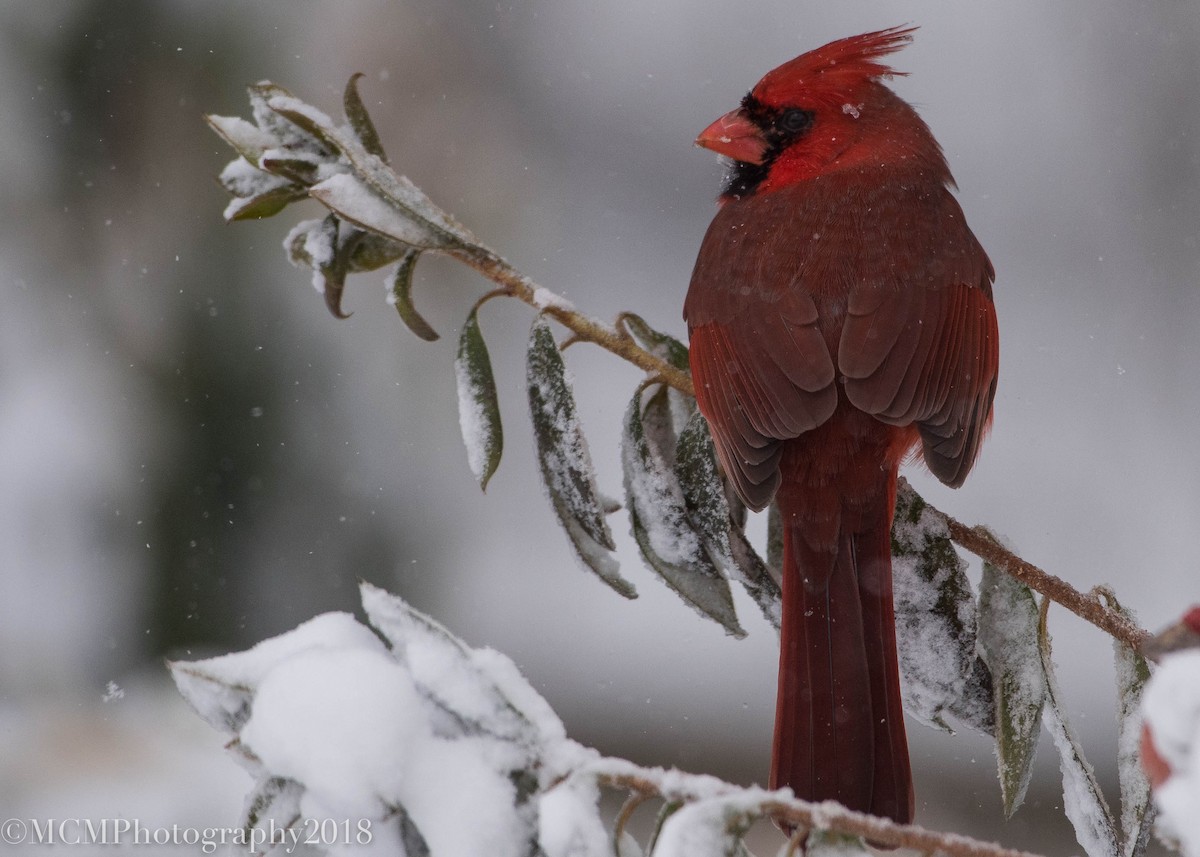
[920, 344]
[760, 363]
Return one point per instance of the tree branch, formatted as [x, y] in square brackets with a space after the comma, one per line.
[806, 816]
[974, 539]
[513, 282]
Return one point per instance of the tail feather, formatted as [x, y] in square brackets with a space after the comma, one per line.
[839, 726]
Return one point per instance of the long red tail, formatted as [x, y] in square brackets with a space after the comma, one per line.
[839, 725]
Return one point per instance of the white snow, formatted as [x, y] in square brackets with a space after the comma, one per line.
[345, 722]
[543, 298]
[1171, 708]
[353, 199]
[569, 823]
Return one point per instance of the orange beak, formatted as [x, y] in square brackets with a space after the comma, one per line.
[735, 136]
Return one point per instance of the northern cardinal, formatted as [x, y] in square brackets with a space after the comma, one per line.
[841, 319]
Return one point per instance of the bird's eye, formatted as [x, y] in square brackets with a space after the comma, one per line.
[794, 121]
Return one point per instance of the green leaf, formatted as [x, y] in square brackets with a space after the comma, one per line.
[565, 462]
[708, 509]
[478, 403]
[263, 205]
[1137, 808]
[373, 252]
[400, 296]
[301, 171]
[1008, 623]
[360, 119]
[659, 517]
[659, 344]
[1083, 802]
[935, 616]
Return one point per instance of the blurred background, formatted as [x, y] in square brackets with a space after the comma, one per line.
[197, 456]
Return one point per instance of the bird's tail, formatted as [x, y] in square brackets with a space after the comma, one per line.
[839, 726]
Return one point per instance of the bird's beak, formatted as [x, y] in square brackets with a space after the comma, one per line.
[735, 136]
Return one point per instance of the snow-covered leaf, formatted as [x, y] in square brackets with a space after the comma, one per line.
[301, 170]
[360, 119]
[708, 510]
[353, 199]
[660, 344]
[565, 462]
[1083, 802]
[313, 243]
[711, 827]
[451, 674]
[274, 804]
[298, 125]
[478, 403]
[569, 823]
[221, 688]
[935, 613]
[256, 193]
[246, 138]
[658, 514]
[1137, 809]
[400, 296]
[1008, 624]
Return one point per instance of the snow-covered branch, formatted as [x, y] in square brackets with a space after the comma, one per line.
[400, 730]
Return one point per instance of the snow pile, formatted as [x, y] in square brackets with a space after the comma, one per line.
[421, 745]
[1171, 712]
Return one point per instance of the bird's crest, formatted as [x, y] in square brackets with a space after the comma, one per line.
[835, 69]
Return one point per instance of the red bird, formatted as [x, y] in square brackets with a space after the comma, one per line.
[841, 319]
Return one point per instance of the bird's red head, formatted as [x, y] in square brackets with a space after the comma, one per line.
[821, 112]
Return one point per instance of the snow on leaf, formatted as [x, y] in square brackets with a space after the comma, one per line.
[564, 459]
[1083, 802]
[246, 138]
[220, 689]
[569, 823]
[313, 243]
[447, 671]
[255, 193]
[711, 827]
[659, 517]
[478, 403]
[353, 199]
[299, 125]
[708, 510]
[1008, 622]
[935, 612]
[1137, 814]
[360, 119]
[272, 805]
